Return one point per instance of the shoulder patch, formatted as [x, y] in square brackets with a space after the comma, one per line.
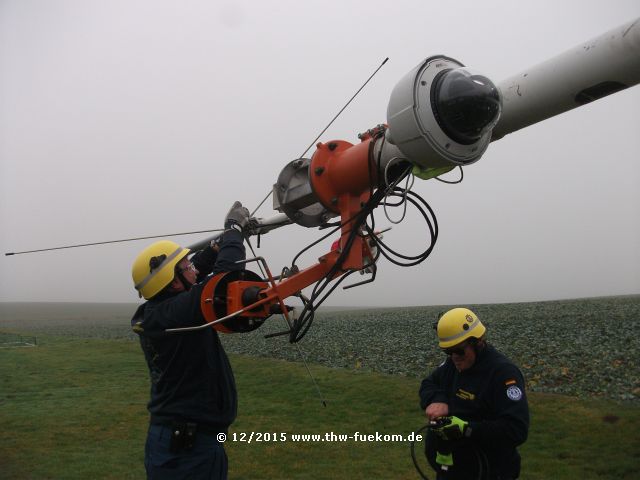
[514, 393]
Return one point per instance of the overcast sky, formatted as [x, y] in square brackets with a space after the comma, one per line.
[128, 118]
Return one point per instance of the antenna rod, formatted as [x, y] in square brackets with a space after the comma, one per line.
[345, 106]
[111, 241]
[330, 123]
[214, 230]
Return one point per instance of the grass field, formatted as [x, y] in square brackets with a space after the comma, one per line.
[575, 347]
[74, 407]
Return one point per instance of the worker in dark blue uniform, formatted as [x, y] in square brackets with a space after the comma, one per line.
[193, 393]
[476, 403]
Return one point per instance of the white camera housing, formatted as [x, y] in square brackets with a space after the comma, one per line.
[417, 128]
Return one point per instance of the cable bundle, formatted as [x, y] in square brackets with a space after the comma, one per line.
[325, 286]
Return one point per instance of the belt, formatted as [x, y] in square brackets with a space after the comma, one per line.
[200, 427]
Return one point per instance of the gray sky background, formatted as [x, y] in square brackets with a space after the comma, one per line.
[129, 118]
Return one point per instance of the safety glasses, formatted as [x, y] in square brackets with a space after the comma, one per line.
[458, 350]
[190, 266]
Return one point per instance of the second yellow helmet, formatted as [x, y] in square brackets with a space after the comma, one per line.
[457, 325]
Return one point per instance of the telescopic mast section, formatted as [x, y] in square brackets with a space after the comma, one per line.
[440, 115]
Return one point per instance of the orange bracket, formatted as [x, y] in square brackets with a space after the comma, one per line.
[342, 178]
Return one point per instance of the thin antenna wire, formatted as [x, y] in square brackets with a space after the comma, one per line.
[304, 360]
[214, 230]
[329, 124]
[300, 352]
[345, 106]
[260, 204]
[114, 241]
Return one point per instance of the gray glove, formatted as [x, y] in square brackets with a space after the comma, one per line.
[238, 215]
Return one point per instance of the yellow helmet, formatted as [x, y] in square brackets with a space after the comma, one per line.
[154, 268]
[457, 325]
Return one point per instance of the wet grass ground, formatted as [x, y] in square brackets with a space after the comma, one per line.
[74, 408]
[579, 347]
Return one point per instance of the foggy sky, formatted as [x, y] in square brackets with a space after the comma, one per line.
[130, 118]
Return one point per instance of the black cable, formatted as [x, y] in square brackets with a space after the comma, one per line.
[293, 262]
[432, 224]
[334, 286]
[481, 457]
[368, 207]
[303, 323]
[413, 452]
[433, 238]
[358, 220]
[301, 332]
[325, 236]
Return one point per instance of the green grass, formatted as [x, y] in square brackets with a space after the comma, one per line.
[575, 347]
[75, 409]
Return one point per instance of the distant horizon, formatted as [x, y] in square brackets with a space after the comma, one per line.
[353, 307]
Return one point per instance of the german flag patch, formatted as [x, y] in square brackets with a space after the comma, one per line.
[510, 382]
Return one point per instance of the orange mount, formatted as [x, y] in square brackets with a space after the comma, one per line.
[342, 177]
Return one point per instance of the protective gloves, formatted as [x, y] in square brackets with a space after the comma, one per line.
[453, 428]
[238, 217]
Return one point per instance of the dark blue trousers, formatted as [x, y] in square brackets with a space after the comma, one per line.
[206, 460]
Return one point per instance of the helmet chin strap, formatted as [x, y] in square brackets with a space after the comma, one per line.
[185, 283]
[478, 346]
